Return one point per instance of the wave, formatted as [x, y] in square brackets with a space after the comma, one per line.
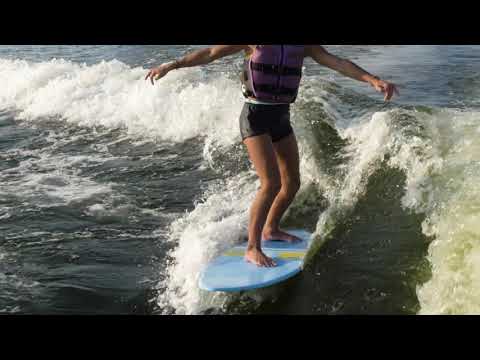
[181, 106]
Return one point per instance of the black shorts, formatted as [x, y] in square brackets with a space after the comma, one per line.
[257, 119]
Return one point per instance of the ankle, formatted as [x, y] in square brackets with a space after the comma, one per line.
[269, 229]
[251, 248]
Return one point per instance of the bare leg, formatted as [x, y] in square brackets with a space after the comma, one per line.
[286, 151]
[262, 154]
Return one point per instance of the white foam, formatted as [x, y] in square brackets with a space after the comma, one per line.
[5, 216]
[17, 282]
[368, 143]
[48, 177]
[184, 104]
[57, 184]
[11, 309]
[213, 226]
[453, 212]
[438, 153]
[103, 212]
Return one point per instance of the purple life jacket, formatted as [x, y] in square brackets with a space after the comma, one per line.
[273, 73]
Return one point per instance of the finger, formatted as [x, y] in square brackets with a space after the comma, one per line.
[387, 94]
[146, 77]
[391, 92]
[151, 79]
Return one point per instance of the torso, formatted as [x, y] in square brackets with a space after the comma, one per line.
[250, 99]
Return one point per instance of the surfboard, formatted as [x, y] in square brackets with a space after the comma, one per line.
[231, 273]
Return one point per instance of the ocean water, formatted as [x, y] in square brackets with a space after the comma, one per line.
[115, 193]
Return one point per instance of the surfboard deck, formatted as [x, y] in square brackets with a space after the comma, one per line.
[231, 273]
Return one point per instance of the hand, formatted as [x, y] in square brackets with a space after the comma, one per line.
[385, 87]
[159, 72]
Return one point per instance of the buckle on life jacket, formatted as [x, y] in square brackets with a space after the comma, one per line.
[273, 69]
[246, 93]
[276, 91]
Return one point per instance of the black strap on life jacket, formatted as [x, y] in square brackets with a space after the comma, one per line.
[275, 69]
[274, 90]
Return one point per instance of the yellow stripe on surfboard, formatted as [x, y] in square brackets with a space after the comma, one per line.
[281, 254]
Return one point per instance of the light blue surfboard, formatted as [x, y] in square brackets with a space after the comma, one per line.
[231, 273]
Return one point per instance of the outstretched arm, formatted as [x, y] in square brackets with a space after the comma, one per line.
[348, 68]
[199, 57]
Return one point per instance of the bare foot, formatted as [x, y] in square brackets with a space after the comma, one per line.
[279, 235]
[257, 257]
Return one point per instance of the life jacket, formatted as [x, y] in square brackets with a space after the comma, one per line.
[273, 73]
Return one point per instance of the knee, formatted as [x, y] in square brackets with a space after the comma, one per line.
[291, 186]
[271, 187]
